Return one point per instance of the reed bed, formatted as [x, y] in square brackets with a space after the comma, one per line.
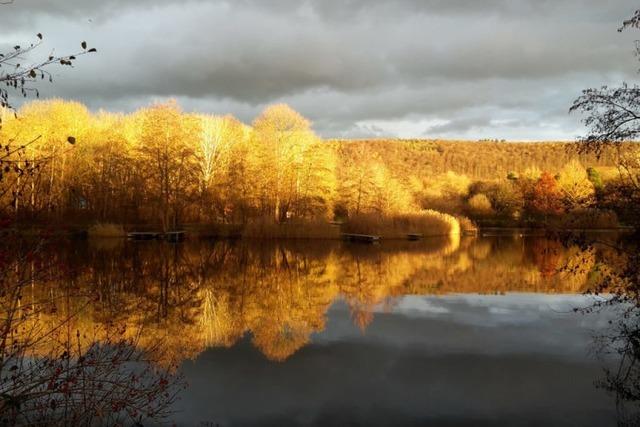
[425, 222]
[106, 230]
[267, 229]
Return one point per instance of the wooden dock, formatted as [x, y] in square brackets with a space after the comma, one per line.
[362, 238]
[143, 235]
[174, 236]
[170, 236]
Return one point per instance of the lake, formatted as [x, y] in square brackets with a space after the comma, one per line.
[472, 331]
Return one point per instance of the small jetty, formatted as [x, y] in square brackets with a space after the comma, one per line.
[143, 235]
[170, 236]
[415, 236]
[174, 236]
[362, 238]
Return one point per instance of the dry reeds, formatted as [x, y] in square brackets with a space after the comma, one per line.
[467, 226]
[426, 222]
[266, 229]
[106, 230]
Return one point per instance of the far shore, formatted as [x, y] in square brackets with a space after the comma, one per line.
[234, 232]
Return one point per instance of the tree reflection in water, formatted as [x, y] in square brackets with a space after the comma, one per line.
[616, 284]
[207, 294]
[199, 294]
[622, 344]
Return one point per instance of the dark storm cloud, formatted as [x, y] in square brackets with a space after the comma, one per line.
[350, 65]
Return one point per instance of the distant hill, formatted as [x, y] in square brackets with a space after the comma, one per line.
[479, 160]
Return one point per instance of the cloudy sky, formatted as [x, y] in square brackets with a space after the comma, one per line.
[357, 68]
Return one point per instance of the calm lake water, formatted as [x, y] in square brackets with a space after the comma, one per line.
[438, 332]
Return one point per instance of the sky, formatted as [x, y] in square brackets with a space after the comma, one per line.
[505, 69]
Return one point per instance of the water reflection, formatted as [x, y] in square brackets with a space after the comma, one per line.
[440, 331]
[202, 294]
[618, 346]
[432, 360]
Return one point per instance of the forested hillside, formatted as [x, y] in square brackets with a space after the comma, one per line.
[479, 160]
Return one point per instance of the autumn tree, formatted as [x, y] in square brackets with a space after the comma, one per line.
[356, 180]
[104, 177]
[367, 186]
[446, 192]
[18, 75]
[508, 199]
[389, 195]
[547, 197]
[283, 139]
[216, 145]
[48, 124]
[166, 153]
[238, 190]
[480, 204]
[316, 187]
[575, 184]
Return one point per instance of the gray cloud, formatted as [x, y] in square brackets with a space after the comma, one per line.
[497, 68]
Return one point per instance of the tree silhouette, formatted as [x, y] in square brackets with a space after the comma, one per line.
[21, 77]
[612, 116]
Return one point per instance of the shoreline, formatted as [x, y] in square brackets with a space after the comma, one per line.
[82, 233]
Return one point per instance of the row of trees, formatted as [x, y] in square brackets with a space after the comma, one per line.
[535, 192]
[162, 165]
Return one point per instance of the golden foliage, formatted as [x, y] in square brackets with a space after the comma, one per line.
[162, 167]
[574, 182]
[480, 204]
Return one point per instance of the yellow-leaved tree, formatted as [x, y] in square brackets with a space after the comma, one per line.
[286, 147]
[166, 154]
[574, 182]
[48, 124]
[219, 139]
